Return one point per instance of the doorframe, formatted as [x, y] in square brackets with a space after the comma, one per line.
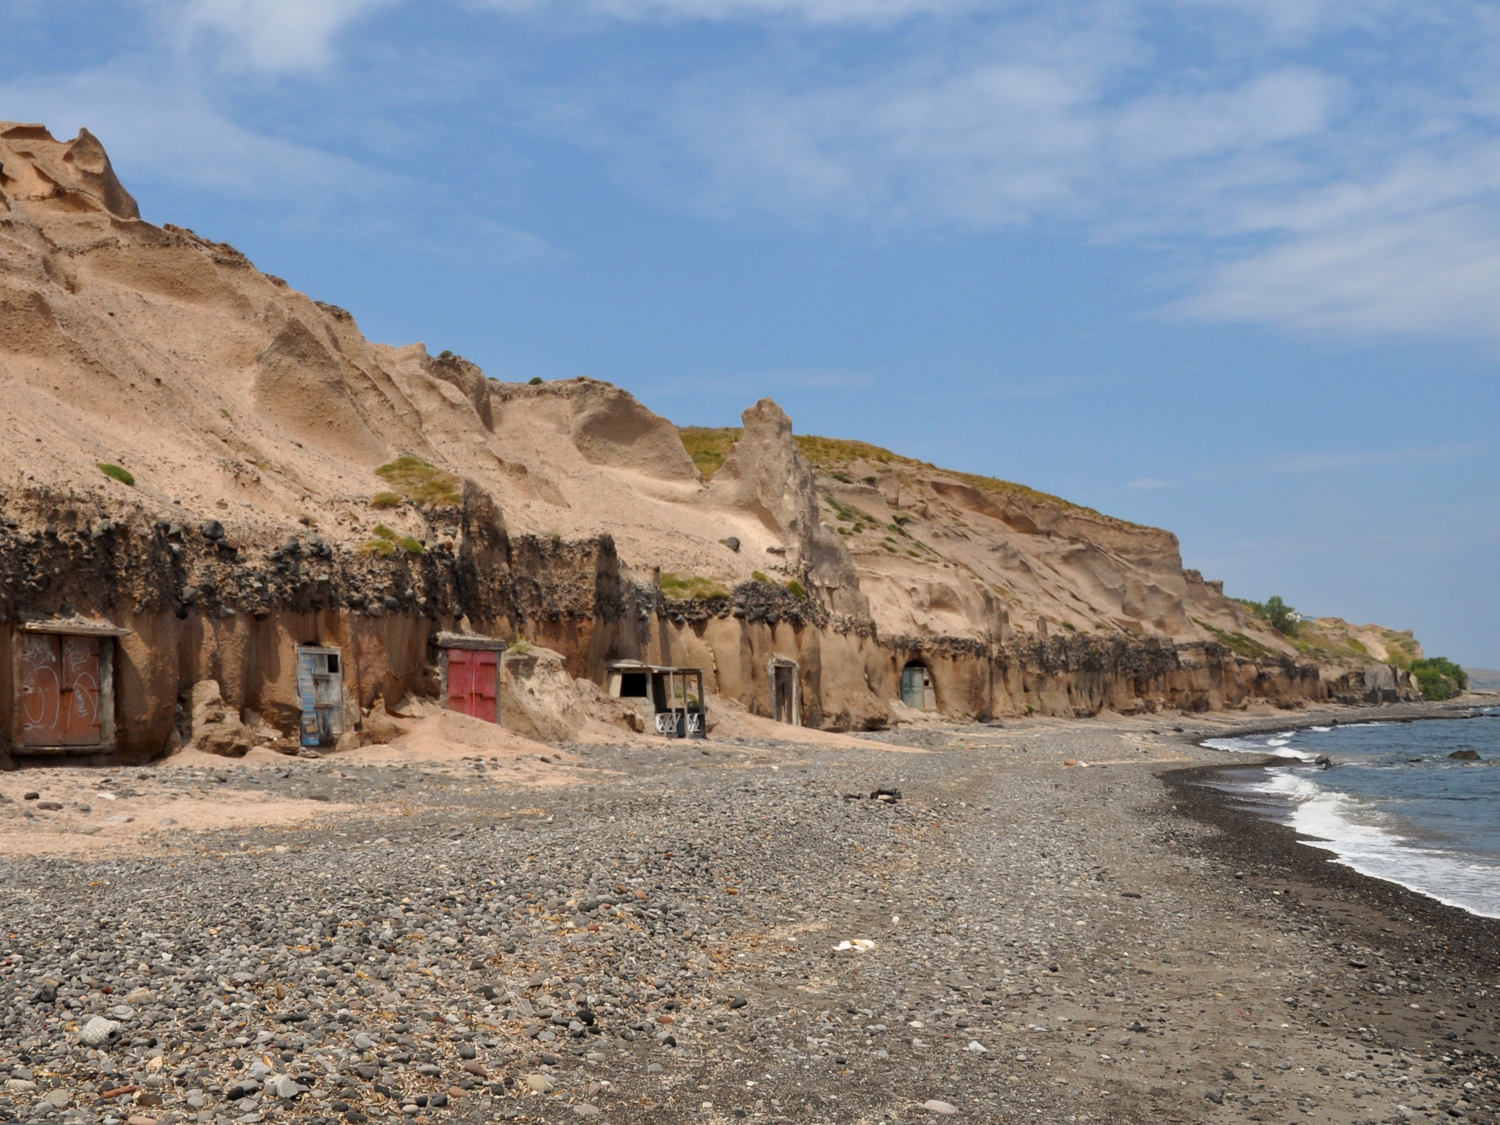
[471, 642]
[784, 662]
[107, 635]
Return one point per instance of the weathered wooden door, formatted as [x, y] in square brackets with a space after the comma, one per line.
[784, 693]
[472, 683]
[60, 691]
[916, 688]
[320, 694]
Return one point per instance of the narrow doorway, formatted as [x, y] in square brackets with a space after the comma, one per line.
[786, 691]
[917, 690]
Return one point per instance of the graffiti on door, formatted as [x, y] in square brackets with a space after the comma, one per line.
[60, 691]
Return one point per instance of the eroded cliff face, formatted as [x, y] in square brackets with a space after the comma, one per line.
[766, 476]
[273, 479]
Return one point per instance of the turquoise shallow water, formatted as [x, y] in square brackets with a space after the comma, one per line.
[1395, 806]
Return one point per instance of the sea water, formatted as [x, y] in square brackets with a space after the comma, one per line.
[1393, 805]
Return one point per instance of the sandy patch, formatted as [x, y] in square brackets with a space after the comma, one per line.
[120, 824]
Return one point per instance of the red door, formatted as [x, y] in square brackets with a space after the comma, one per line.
[60, 691]
[472, 683]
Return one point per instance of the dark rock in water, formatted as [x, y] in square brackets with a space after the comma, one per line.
[1323, 761]
[1466, 756]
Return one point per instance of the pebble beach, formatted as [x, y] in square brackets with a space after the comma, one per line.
[1044, 921]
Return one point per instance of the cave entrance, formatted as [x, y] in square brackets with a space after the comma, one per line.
[65, 687]
[917, 689]
[786, 691]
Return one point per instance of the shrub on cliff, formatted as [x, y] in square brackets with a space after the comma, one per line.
[1283, 618]
[1439, 678]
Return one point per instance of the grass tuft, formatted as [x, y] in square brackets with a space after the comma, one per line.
[384, 500]
[124, 476]
[379, 548]
[681, 588]
[421, 482]
[393, 539]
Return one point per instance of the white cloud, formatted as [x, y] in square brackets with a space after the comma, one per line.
[162, 128]
[1315, 165]
[812, 11]
[275, 35]
[1313, 190]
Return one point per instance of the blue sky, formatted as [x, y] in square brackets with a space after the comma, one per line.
[1228, 267]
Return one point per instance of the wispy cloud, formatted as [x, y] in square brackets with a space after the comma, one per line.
[162, 125]
[1298, 182]
[1328, 461]
[1319, 166]
[1150, 483]
[275, 35]
[163, 130]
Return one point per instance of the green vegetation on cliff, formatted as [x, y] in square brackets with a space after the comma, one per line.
[708, 447]
[1275, 613]
[1237, 643]
[685, 587]
[420, 482]
[1439, 678]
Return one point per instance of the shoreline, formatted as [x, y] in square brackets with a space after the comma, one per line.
[1339, 715]
[1380, 928]
[1055, 933]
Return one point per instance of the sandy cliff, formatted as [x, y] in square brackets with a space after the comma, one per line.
[196, 452]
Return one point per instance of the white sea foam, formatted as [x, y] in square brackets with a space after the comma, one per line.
[1236, 745]
[1362, 837]
[1276, 746]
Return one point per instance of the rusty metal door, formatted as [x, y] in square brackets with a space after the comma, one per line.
[60, 691]
[472, 683]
